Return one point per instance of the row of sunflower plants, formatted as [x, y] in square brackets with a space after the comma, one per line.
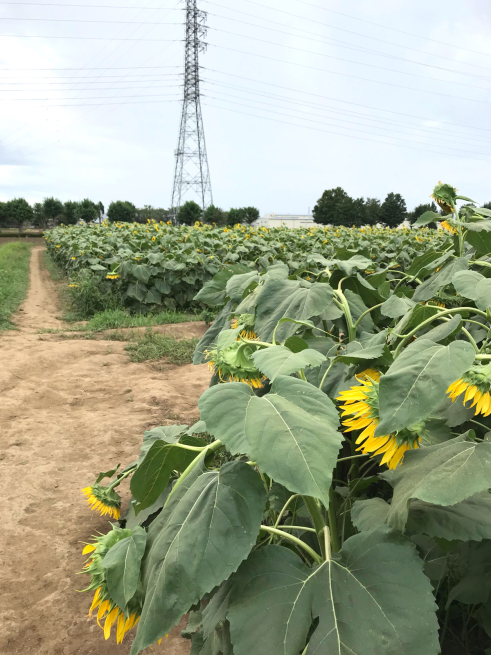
[159, 265]
[335, 495]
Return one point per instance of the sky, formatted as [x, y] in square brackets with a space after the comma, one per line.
[298, 96]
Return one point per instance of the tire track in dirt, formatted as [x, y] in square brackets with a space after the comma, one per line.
[68, 410]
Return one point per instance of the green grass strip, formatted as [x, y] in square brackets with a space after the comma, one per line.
[14, 279]
[153, 346]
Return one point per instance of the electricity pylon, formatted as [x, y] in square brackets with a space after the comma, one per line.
[192, 176]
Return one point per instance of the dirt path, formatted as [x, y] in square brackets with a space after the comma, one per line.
[68, 410]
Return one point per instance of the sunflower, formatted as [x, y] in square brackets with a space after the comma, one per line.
[446, 226]
[233, 364]
[246, 322]
[445, 196]
[112, 277]
[476, 383]
[103, 500]
[361, 403]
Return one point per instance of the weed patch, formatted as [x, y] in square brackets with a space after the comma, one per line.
[14, 279]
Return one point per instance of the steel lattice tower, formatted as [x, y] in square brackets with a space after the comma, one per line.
[191, 171]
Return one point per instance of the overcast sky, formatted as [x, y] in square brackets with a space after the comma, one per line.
[298, 96]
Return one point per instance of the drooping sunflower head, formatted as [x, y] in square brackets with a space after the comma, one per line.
[245, 322]
[476, 383]
[234, 364]
[125, 618]
[445, 196]
[103, 500]
[361, 412]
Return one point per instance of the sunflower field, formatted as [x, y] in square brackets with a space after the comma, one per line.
[158, 265]
[335, 495]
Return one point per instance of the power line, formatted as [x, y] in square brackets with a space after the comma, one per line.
[62, 4]
[446, 140]
[86, 98]
[120, 88]
[384, 120]
[87, 78]
[356, 104]
[81, 20]
[90, 69]
[90, 38]
[350, 61]
[385, 27]
[338, 134]
[342, 44]
[356, 77]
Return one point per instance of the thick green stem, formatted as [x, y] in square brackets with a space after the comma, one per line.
[347, 313]
[122, 477]
[455, 310]
[209, 449]
[285, 507]
[459, 231]
[365, 313]
[345, 459]
[333, 522]
[317, 518]
[297, 527]
[290, 537]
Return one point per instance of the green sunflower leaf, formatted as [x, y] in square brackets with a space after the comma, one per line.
[205, 531]
[445, 474]
[416, 383]
[280, 360]
[122, 564]
[208, 340]
[437, 281]
[362, 602]
[152, 476]
[295, 299]
[291, 432]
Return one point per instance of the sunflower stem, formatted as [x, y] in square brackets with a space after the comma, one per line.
[331, 512]
[357, 322]
[121, 478]
[295, 540]
[327, 544]
[454, 310]
[209, 449]
[317, 518]
[345, 459]
[325, 374]
[347, 312]
[285, 507]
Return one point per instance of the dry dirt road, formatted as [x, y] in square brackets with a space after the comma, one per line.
[68, 410]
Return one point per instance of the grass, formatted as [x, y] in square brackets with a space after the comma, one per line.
[119, 318]
[153, 346]
[14, 279]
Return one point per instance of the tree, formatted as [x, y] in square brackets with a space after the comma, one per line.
[419, 210]
[393, 211]
[86, 211]
[152, 213]
[189, 213]
[487, 205]
[3, 213]
[216, 215]
[235, 216]
[372, 211]
[121, 211]
[251, 214]
[69, 214]
[19, 212]
[39, 218]
[325, 209]
[52, 209]
[100, 210]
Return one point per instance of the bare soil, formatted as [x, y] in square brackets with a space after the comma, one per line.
[68, 410]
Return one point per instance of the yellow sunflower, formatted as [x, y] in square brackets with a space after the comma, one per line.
[103, 500]
[361, 405]
[476, 383]
[246, 333]
[446, 226]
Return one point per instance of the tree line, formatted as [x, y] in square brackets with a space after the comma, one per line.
[336, 207]
[19, 213]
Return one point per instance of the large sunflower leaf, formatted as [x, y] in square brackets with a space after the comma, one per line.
[445, 474]
[205, 531]
[437, 281]
[122, 564]
[208, 340]
[372, 599]
[291, 432]
[289, 299]
[469, 520]
[416, 383]
[280, 360]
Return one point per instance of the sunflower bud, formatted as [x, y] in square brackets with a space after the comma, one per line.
[103, 500]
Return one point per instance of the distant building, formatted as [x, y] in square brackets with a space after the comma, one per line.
[285, 220]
